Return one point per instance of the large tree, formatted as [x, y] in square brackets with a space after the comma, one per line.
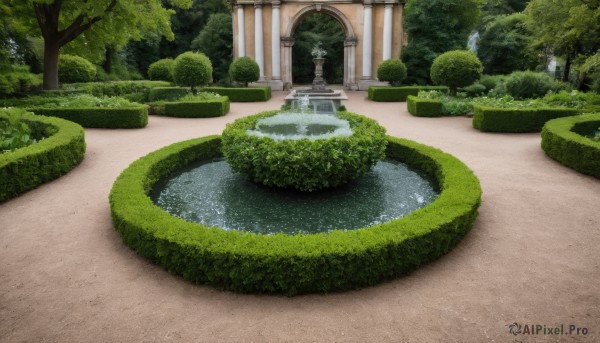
[94, 23]
[569, 28]
[434, 27]
[216, 42]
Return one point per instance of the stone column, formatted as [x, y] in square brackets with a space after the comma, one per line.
[275, 42]
[350, 63]
[387, 31]
[259, 47]
[288, 43]
[367, 56]
[241, 25]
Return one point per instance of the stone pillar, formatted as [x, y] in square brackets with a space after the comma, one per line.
[241, 25]
[259, 47]
[367, 56]
[350, 63]
[287, 44]
[387, 31]
[275, 42]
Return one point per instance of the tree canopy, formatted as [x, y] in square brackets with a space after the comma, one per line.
[216, 42]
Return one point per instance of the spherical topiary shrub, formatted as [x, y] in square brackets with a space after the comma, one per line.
[244, 70]
[192, 69]
[529, 84]
[304, 164]
[456, 69]
[73, 69]
[162, 70]
[393, 71]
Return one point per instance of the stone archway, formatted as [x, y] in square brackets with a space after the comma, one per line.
[350, 41]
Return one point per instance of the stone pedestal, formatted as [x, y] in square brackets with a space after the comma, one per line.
[319, 82]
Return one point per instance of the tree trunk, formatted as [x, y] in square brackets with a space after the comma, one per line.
[567, 69]
[51, 52]
[108, 59]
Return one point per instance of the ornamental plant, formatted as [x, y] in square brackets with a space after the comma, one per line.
[458, 68]
[393, 71]
[162, 70]
[244, 70]
[192, 69]
[14, 132]
[72, 69]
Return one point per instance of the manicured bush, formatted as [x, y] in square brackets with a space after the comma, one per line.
[162, 70]
[392, 71]
[398, 94]
[19, 82]
[118, 88]
[192, 109]
[518, 120]
[420, 107]
[62, 148]
[529, 84]
[491, 81]
[563, 140]
[167, 93]
[244, 70]
[192, 69]
[291, 265]
[242, 94]
[304, 164]
[458, 68]
[73, 69]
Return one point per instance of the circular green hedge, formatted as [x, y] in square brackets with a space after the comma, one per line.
[162, 70]
[458, 68]
[304, 164]
[392, 70]
[192, 69]
[72, 69]
[251, 263]
[62, 148]
[564, 140]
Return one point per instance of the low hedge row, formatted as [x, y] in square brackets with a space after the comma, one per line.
[62, 148]
[399, 94]
[251, 263]
[194, 109]
[516, 120]
[563, 140]
[420, 107]
[242, 94]
[167, 93]
[107, 118]
[128, 89]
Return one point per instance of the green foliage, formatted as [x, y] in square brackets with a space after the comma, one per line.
[304, 164]
[392, 70]
[117, 88]
[587, 102]
[564, 140]
[297, 264]
[72, 69]
[244, 70]
[242, 94]
[434, 27]
[595, 136]
[529, 84]
[398, 94]
[192, 107]
[19, 82]
[14, 132]
[28, 167]
[476, 89]
[167, 93]
[192, 69]
[82, 101]
[421, 107]
[456, 69]
[201, 96]
[216, 41]
[504, 45]
[162, 70]
[518, 120]
[100, 117]
[492, 81]
[318, 27]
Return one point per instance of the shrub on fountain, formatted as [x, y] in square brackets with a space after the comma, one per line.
[392, 70]
[244, 70]
[162, 70]
[192, 69]
[459, 68]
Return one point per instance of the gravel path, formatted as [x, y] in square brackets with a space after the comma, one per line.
[531, 258]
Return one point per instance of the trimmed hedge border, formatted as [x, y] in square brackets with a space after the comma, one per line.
[399, 94]
[253, 94]
[251, 263]
[167, 93]
[516, 120]
[104, 118]
[193, 109]
[26, 168]
[420, 107]
[563, 141]
[117, 88]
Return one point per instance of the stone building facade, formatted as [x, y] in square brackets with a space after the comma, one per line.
[264, 31]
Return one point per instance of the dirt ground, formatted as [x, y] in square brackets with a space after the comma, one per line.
[531, 258]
